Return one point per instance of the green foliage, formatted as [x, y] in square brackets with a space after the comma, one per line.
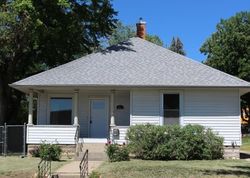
[154, 39]
[47, 152]
[117, 152]
[37, 35]
[190, 142]
[124, 32]
[228, 49]
[177, 46]
[94, 174]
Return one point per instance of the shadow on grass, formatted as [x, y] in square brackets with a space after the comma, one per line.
[224, 172]
[237, 171]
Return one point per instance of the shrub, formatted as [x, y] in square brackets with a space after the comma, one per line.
[174, 142]
[94, 174]
[50, 152]
[117, 152]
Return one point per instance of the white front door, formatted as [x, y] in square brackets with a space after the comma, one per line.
[98, 118]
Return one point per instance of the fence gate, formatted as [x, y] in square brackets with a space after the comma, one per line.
[13, 139]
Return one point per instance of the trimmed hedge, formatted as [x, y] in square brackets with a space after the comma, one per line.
[191, 142]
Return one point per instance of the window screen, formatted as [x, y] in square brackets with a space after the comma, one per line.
[171, 108]
[60, 111]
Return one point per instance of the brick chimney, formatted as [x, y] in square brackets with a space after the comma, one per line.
[141, 29]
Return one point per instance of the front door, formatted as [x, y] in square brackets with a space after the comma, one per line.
[98, 118]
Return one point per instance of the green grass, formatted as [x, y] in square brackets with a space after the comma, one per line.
[178, 169]
[245, 144]
[15, 166]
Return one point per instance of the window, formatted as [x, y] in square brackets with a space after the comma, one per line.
[171, 108]
[60, 111]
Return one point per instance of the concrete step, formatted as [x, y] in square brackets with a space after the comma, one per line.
[96, 151]
[93, 156]
[94, 147]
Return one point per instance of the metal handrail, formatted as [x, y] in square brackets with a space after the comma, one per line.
[44, 168]
[84, 169]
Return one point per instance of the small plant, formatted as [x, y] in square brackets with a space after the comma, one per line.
[95, 174]
[50, 152]
[117, 152]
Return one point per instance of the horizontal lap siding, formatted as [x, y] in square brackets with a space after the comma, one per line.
[145, 107]
[61, 135]
[122, 134]
[216, 109]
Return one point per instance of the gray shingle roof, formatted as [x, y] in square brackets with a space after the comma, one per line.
[135, 62]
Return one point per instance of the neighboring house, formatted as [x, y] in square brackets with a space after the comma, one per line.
[134, 82]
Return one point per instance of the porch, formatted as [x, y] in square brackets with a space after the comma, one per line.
[81, 116]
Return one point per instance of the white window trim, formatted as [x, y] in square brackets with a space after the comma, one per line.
[59, 96]
[180, 92]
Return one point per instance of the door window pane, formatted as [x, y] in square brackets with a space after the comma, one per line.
[171, 108]
[60, 111]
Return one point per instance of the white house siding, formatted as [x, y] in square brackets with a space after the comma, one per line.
[122, 136]
[145, 107]
[51, 134]
[214, 108]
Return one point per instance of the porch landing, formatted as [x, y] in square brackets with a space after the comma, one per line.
[92, 140]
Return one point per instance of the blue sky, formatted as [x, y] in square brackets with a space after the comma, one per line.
[192, 20]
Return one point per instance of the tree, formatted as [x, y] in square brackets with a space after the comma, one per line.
[228, 49]
[124, 32]
[177, 46]
[39, 34]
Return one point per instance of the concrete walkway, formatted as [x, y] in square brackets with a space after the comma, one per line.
[72, 168]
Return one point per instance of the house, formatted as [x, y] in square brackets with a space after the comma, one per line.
[100, 95]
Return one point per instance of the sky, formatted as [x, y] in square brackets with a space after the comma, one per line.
[193, 21]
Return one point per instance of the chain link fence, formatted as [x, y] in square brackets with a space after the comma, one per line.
[13, 140]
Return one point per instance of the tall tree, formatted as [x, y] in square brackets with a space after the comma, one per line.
[228, 49]
[39, 34]
[124, 32]
[177, 46]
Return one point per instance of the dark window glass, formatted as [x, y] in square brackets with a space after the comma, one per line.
[171, 108]
[60, 111]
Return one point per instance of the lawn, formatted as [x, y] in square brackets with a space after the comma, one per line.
[178, 169]
[14, 166]
[245, 144]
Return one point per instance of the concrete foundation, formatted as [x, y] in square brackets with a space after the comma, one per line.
[231, 152]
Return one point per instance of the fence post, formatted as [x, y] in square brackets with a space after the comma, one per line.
[24, 139]
[5, 139]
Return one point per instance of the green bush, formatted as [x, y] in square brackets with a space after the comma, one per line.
[117, 152]
[94, 174]
[191, 142]
[50, 152]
